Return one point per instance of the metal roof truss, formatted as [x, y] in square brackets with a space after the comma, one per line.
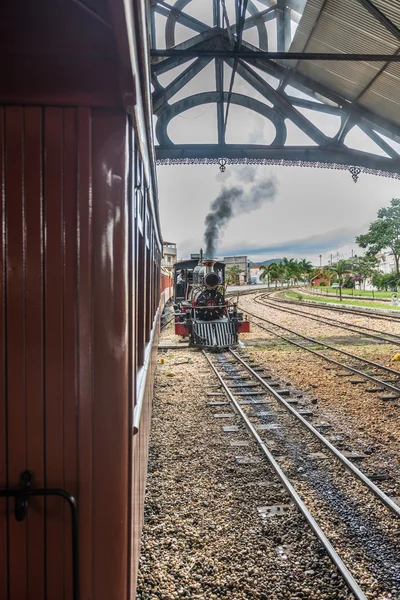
[223, 43]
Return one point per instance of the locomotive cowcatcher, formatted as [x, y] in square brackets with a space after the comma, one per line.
[202, 311]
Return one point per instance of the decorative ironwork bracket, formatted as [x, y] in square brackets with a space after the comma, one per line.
[355, 171]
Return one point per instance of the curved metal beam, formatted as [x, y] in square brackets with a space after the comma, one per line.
[160, 66]
[263, 16]
[211, 97]
[160, 98]
[281, 103]
[172, 20]
[179, 5]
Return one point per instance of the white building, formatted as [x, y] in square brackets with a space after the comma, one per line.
[169, 255]
[255, 274]
[386, 262]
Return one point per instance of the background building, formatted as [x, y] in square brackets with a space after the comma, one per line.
[243, 263]
[386, 262]
[169, 255]
[255, 274]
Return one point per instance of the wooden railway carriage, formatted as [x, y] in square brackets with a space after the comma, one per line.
[166, 287]
[80, 252]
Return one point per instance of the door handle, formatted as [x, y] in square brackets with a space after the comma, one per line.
[21, 505]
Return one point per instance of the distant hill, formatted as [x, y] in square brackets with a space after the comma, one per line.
[266, 262]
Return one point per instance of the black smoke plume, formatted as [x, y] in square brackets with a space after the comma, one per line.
[236, 200]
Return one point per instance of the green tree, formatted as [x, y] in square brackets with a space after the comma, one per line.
[384, 233]
[290, 269]
[365, 267]
[342, 268]
[377, 280]
[385, 281]
[305, 268]
[232, 274]
[274, 273]
[266, 272]
[280, 269]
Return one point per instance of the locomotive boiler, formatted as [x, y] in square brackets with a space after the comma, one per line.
[202, 311]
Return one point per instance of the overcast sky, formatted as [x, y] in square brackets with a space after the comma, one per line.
[315, 211]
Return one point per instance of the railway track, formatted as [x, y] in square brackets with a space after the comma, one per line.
[363, 368]
[329, 483]
[381, 336]
[166, 322]
[339, 309]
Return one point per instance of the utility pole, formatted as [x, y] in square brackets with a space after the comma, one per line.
[320, 260]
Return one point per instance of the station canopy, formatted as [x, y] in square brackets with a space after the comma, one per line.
[326, 69]
[354, 27]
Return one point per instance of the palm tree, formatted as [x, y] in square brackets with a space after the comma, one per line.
[340, 269]
[280, 270]
[274, 273]
[290, 268]
[305, 268]
[265, 272]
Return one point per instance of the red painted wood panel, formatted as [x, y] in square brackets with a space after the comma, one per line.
[16, 355]
[84, 351]
[68, 309]
[70, 328]
[132, 348]
[33, 186]
[110, 357]
[3, 372]
[54, 376]
[58, 54]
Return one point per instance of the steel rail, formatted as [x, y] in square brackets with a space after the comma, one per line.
[347, 463]
[163, 325]
[360, 358]
[340, 350]
[375, 380]
[334, 556]
[355, 328]
[334, 307]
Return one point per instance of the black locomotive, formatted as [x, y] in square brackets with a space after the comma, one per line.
[202, 312]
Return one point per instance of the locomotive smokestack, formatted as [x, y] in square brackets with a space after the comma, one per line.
[236, 200]
[209, 263]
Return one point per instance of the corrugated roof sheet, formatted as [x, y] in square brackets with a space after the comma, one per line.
[346, 26]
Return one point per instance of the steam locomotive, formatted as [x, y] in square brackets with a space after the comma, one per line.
[202, 312]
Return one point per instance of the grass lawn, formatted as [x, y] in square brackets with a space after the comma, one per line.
[324, 299]
[349, 292]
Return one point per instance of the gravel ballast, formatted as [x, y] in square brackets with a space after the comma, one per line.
[203, 535]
